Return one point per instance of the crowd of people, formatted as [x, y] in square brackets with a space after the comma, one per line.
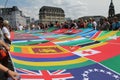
[103, 24]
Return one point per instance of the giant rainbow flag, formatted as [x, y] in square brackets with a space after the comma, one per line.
[82, 54]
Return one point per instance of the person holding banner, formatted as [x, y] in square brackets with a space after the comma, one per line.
[3, 48]
[11, 73]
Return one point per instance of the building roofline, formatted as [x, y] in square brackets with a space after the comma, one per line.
[50, 7]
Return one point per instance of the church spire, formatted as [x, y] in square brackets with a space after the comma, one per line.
[111, 12]
[111, 4]
[112, 1]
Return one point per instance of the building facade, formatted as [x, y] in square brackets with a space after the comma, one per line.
[14, 16]
[49, 14]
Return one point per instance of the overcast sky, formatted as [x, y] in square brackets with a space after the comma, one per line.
[72, 8]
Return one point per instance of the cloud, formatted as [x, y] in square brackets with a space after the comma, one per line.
[58, 2]
[72, 8]
[75, 10]
[1, 6]
[30, 12]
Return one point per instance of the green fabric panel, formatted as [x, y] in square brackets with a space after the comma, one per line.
[29, 43]
[51, 29]
[17, 49]
[113, 63]
[103, 33]
[89, 62]
[37, 34]
[118, 33]
[78, 42]
[107, 39]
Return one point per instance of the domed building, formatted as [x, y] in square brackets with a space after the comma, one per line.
[49, 14]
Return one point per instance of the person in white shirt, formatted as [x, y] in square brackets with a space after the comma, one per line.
[6, 31]
[95, 24]
[20, 27]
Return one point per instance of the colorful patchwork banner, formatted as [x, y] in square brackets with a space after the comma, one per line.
[63, 54]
